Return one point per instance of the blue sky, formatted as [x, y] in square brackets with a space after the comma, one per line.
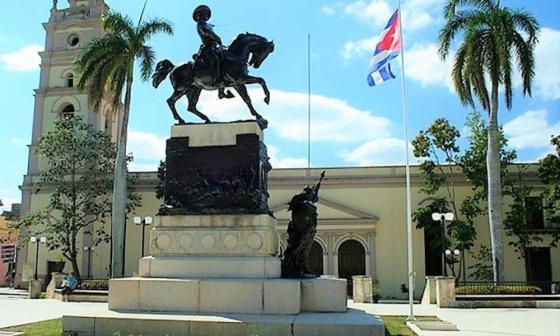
[352, 124]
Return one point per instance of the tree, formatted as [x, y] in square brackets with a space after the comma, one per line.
[79, 165]
[482, 267]
[549, 173]
[442, 163]
[107, 64]
[493, 37]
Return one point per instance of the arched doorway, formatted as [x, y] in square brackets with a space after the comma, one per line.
[351, 261]
[316, 258]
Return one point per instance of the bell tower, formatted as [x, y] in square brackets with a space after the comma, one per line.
[67, 30]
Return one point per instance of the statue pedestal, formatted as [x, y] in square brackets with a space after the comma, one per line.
[214, 267]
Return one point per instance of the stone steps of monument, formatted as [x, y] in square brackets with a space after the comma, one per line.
[243, 267]
[351, 323]
[243, 296]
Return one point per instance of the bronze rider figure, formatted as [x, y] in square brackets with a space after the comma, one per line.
[211, 48]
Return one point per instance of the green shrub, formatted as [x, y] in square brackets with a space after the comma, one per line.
[497, 290]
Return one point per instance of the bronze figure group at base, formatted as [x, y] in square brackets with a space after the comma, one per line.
[216, 67]
[301, 232]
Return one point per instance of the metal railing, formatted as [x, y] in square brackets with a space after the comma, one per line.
[507, 288]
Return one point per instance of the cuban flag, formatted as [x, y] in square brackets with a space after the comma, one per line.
[388, 47]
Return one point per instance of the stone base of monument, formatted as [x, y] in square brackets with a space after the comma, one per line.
[228, 295]
[218, 273]
[351, 323]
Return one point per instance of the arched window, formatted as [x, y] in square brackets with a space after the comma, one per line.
[70, 80]
[351, 261]
[316, 258]
[68, 111]
[107, 126]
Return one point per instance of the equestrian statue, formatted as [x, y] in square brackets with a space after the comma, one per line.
[216, 67]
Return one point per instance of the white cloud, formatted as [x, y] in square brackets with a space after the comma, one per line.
[424, 65]
[9, 197]
[375, 12]
[288, 162]
[385, 151]
[354, 49]
[547, 67]
[147, 148]
[531, 130]
[333, 120]
[145, 145]
[143, 167]
[329, 10]
[417, 14]
[17, 142]
[25, 59]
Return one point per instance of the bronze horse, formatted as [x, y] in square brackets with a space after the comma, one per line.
[191, 78]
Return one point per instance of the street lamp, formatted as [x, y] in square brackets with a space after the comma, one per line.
[143, 221]
[442, 218]
[37, 241]
[89, 249]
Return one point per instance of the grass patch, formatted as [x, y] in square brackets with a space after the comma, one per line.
[45, 328]
[396, 325]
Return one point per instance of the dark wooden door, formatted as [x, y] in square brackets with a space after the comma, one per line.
[351, 261]
[537, 264]
[316, 258]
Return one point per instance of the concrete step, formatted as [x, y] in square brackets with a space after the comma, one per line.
[244, 296]
[351, 323]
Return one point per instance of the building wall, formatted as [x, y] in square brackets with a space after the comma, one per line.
[365, 204]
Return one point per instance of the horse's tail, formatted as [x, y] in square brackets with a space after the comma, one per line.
[163, 69]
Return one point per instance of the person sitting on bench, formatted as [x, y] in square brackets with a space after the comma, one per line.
[69, 284]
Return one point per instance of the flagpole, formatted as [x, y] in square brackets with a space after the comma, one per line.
[308, 103]
[408, 193]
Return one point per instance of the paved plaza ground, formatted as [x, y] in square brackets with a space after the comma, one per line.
[480, 322]
[16, 309]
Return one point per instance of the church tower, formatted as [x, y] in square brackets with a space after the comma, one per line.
[57, 96]
[66, 31]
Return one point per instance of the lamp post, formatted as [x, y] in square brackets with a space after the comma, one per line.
[37, 241]
[442, 218]
[89, 249]
[143, 221]
[455, 253]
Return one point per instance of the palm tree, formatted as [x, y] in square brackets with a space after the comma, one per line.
[106, 65]
[493, 38]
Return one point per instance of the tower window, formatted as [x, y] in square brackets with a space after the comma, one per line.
[68, 111]
[107, 125]
[70, 80]
[73, 40]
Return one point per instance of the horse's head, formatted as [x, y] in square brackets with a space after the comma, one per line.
[260, 52]
[255, 46]
[163, 69]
